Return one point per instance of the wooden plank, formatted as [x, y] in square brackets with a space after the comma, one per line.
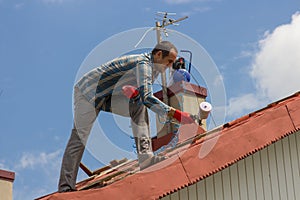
[98, 171]
[115, 163]
[86, 169]
[110, 169]
[101, 182]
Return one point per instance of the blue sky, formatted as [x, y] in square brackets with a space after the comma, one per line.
[255, 45]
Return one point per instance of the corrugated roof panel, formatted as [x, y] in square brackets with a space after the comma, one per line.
[237, 142]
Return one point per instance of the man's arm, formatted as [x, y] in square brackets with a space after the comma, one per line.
[183, 117]
[144, 82]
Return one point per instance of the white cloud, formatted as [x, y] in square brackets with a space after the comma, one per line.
[32, 161]
[45, 166]
[31, 167]
[239, 105]
[244, 54]
[275, 68]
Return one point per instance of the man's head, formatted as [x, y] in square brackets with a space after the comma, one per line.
[164, 55]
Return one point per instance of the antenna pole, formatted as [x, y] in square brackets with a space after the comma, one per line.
[163, 74]
[165, 98]
[161, 27]
[158, 35]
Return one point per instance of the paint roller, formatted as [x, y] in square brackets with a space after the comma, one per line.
[204, 110]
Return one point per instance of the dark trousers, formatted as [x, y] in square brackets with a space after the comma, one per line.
[85, 115]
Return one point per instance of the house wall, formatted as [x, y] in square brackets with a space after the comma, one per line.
[270, 174]
[5, 189]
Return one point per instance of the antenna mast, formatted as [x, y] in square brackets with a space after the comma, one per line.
[162, 21]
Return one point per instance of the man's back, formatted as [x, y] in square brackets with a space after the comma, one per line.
[111, 76]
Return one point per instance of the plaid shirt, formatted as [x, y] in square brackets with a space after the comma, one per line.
[108, 79]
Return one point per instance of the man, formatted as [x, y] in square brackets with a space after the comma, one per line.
[101, 90]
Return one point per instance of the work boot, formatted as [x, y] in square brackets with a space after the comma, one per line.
[145, 154]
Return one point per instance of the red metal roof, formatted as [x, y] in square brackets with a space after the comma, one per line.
[188, 163]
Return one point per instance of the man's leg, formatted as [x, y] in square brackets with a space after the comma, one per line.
[84, 117]
[118, 104]
[141, 133]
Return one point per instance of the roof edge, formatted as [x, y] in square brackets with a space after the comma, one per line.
[7, 175]
[246, 155]
[229, 163]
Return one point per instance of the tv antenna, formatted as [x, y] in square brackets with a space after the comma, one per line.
[163, 20]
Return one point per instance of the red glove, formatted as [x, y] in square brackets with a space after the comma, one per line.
[183, 117]
[130, 91]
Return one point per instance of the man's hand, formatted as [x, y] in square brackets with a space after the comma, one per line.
[182, 117]
[130, 91]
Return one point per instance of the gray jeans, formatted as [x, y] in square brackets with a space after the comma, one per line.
[85, 115]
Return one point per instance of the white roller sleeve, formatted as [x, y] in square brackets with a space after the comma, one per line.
[204, 110]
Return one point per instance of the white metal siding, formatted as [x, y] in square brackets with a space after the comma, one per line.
[271, 174]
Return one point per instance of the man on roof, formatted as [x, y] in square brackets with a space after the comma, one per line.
[122, 86]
